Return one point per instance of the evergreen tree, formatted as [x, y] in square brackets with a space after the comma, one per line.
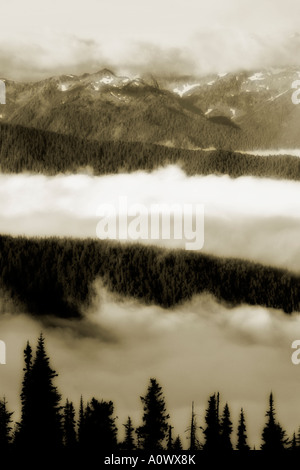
[40, 425]
[241, 434]
[294, 443]
[81, 421]
[226, 430]
[155, 418]
[100, 431]
[129, 444]
[69, 432]
[177, 446]
[170, 439]
[23, 429]
[298, 439]
[194, 443]
[212, 430]
[273, 436]
[5, 425]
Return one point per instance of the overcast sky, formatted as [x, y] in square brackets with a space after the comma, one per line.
[191, 36]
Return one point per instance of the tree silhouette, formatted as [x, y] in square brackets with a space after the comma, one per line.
[212, 430]
[5, 425]
[128, 443]
[226, 429]
[298, 440]
[294, 442]
[155, 419]
[41, 412]
[241, 434]
[194, 443]
[43, 425]
[170, 439]
[23, 431]
[273, 436]
[81, 424]
[69, 432]
[100, 431]
[177, 446]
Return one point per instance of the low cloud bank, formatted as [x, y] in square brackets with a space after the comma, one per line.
[251, 218]
[193, 350]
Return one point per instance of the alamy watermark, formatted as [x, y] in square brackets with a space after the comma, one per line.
[296, 94]
[122, 221]
[2, 352]
[295, 358]
[2, 92]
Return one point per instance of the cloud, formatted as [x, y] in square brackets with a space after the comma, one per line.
[207, 52]
[252, 218]
[134, 38]
[58, 54]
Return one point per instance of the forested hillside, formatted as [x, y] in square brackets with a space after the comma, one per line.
[55, 276]
[36, 151]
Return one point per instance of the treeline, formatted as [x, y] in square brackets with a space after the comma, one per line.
[37, 151]
[48, 424]
[55, 276]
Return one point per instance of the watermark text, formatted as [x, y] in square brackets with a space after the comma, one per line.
[2, 92]
[123, 221]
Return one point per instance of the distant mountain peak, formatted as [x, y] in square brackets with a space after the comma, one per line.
[105, 71]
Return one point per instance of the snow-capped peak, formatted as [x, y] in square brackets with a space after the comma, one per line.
[257, 76]
[63, 86]
[184, 89]
[106, 80]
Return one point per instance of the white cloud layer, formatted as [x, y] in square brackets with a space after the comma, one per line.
[256, 219]
[159, 37]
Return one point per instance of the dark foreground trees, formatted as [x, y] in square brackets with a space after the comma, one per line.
[242, 434]
[155, 419]
[99, 428]
[41, 420]
[274, 437]
[212, 429]
[50, 427]
[5, 425]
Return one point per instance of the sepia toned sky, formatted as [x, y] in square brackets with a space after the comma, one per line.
[162, 36]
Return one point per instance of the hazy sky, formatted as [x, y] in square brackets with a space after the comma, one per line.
[38, 38]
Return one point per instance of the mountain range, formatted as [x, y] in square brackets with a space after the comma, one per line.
[234, 111]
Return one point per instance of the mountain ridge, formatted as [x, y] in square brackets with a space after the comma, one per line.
[244, 110]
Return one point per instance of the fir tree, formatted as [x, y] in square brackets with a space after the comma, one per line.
[294, 443]
[273, 436]
[212, 430]
[177, 446]
[129, 444]
[69, 432]
[241, 434]
[100, 431]
[41, 419]
[170, 439]
[81, 421]
[23, 429]
[194, 443]
[5, 425]
[226, 430]
[155, 418]
[298, 440]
